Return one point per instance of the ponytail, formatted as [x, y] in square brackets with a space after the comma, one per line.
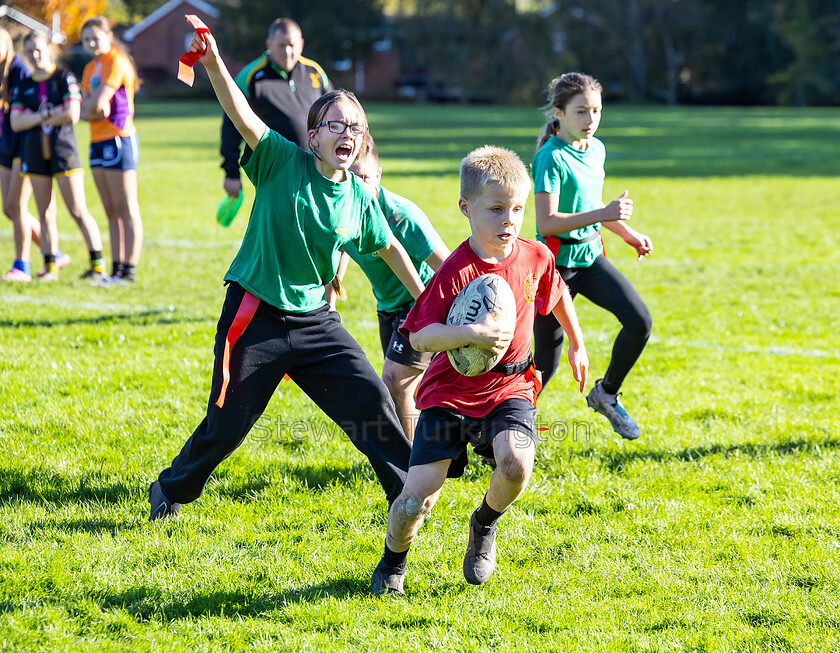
[551, 128]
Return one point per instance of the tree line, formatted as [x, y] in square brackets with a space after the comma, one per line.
[676, 51]
[737, 52]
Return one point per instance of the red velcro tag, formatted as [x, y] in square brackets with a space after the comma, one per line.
[186, 73]
[243, 317]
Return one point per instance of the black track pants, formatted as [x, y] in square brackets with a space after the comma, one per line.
[605, 286]
[323, 359]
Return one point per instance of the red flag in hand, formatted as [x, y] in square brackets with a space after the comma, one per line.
[185, 64]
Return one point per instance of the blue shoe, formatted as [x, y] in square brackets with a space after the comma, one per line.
[610, 407]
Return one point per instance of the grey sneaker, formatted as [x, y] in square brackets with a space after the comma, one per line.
[161, 506]
[610, 407]
[387, 580]
[480, 560]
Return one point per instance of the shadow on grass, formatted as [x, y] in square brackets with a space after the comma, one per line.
[145, 603]
[46, 486]
[139, 318]
[235, 486]
[616, 461]
[320, 477]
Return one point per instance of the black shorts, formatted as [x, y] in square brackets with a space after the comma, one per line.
[395, 346]
[443, 433]
[8, 160]
[34, 164]
[49, 154]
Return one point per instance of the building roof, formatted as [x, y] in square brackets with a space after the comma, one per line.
[162, 11]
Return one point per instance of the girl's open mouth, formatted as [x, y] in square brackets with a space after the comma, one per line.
[343, 152]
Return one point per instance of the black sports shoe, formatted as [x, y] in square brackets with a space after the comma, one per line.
[387, 580]
[161, 506]
[480, 560]
[91, 275]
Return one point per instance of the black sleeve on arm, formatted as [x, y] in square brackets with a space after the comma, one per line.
[231, 143]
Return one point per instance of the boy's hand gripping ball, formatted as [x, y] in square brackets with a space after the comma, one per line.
[479, 297]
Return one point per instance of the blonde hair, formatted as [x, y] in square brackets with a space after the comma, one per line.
[561, 90]
[491, 164]
[7, 55]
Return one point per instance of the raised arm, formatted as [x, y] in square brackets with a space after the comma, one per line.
[230, 96]
[551, 222]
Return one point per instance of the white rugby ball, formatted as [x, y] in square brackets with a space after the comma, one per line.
[479, 297]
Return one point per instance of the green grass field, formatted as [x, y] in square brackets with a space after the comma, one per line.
[719, 530]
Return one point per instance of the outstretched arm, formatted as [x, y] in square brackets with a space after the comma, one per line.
[230, 96]
[436, 258]
[397, 259]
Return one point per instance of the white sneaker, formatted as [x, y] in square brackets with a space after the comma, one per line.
[610, 407]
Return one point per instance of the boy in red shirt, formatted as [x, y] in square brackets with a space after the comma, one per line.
[494, 411]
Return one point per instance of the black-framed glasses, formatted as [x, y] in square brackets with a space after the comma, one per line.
[338, 127]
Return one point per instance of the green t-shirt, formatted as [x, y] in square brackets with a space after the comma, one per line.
[298, 225]
[578, 179]
[415, 233]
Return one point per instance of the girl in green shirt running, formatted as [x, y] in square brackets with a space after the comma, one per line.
[275, 320]
[568, 171]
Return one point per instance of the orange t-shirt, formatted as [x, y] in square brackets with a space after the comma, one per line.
[115, 70]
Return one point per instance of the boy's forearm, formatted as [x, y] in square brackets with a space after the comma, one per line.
[440, 337]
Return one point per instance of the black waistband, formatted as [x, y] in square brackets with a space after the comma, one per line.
[570, 241]
[517, 367]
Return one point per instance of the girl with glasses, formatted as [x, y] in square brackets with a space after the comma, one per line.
[275, 320]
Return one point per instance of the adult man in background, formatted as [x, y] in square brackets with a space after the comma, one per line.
[280, 86]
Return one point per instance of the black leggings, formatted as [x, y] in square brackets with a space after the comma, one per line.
[604, 285]
[324, 360]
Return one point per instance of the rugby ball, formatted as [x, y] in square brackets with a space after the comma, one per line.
[479, 297]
